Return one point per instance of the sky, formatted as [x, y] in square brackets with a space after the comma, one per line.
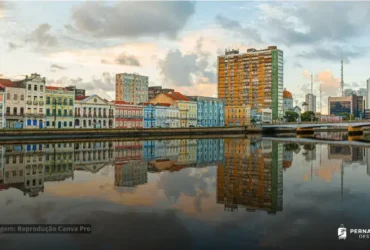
[176, 43]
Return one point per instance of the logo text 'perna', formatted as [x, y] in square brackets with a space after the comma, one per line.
[342, 232]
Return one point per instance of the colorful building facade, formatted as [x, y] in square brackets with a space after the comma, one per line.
[210, 111]
[59, 107]
[127, 115]
[254, 78]
[155, 115]
[237, 115]
[93, 112]
[187, 107]
[2, 110]
[132, 88]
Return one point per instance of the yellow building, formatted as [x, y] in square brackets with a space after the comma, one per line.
[187, 107]
[254, 78]
[237, 115]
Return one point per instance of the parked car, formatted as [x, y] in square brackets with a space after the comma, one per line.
[191, 126]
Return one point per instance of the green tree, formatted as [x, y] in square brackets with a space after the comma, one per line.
[308, 116]
[291, 116]
[346, 116]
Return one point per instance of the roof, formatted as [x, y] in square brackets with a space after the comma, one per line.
[177, 96]
[7, 83]
[55, 88]
[163, 104]
[120, 102]
[287, 94]
[79, 98]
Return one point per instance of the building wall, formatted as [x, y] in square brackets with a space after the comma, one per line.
[14, 101]
[59, 108]
[93, 112]
[338, 105]
[188, 113]
[153, 91]
[35, 102]
[210, 111]
[2, 109]
[254, 78]
[172, 117]
[132, 88]
[237, 115]
[150, 116]
[311, 101]
[288, 104]
[128, 116]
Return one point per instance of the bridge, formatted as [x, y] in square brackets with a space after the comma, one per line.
[318, 124]
[354, 128]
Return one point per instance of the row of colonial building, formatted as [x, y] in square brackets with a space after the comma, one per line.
[31, 104]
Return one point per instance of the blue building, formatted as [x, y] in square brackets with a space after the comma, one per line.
[155, 116]
[210, 111]
[210, 152]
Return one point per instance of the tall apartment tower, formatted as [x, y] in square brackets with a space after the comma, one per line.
[131, 88]
[311, 102]
[254, 78]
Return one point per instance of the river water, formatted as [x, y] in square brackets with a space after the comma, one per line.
[227, 193]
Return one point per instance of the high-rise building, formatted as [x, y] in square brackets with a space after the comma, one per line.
[311, 102]
[254, 78]
[362, 92]
[345, 104]
[368, 93]
[132, 88]
[78, 92]
[288, 100]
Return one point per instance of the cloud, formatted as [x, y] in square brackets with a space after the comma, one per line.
[41, 36]
[247, 31]
[13, 46]
[124, 59]
[302, 23]
[334, 53]
[329, 84]
[132, 19]
[56, 67]
[297, 64]
[103, 85]
[180, 69]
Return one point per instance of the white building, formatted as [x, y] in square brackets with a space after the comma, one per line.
[35, 101]
[311, 102]
[172, 117]
[349, 92]
[266, 115]
[93, 112]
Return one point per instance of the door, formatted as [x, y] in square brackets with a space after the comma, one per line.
[59, 124]
[40, 124]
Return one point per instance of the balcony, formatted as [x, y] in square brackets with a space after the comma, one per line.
[29, 102]
[35, 102]
[77, 115]
[41, 102]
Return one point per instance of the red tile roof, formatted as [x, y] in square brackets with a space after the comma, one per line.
[6, 83]
[177, 96]
[79, 98]
[163, 104]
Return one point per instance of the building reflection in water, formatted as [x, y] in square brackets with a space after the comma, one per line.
[252, 175]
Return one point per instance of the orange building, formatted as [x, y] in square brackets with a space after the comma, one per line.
[251, 176]
[237, 115]
[254, 78]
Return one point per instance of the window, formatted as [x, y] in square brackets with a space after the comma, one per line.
[65, 124]
[47, 112]
[47, 100]
[29, 87]
[47, 123]
[8, 110]
[53, 124]
[35, 88]
[65, 101]
[41, 88]
[70, 112]
[35, 110]
[71, 101]
[70, 124]
[15, 97]
[22, 97]
[65, 112]
[40, 110]
[14, 110]
[8, 96]
[59, 112]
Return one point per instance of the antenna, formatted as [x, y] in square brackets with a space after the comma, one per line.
[342, 81]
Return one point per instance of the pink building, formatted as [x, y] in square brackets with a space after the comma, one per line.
[128, 115]
[330, 118]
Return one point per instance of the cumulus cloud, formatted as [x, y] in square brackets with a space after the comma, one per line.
[246, 31]
[103, 85]
[55, 67]
[180, 69]
[334, 53]
[302, 23]
[124, 59]
[42, 37]
[131, 19]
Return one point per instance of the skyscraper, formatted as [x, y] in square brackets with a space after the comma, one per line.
[311, 102]
[131, 88]
[254, 78]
